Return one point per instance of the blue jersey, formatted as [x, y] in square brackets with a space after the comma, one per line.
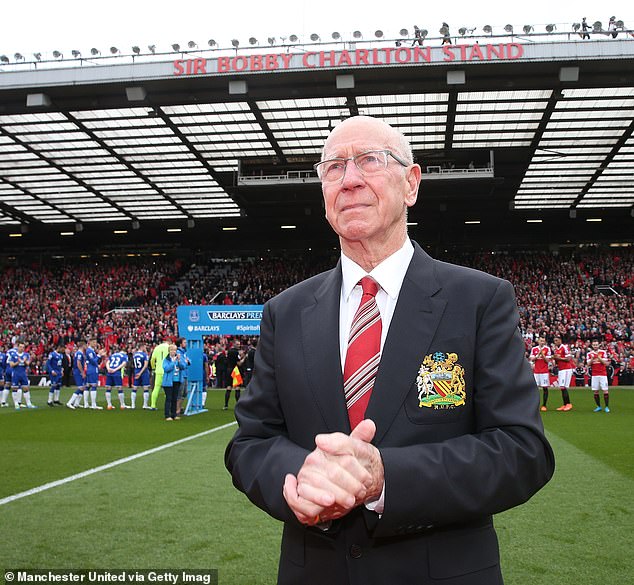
[79, 362]
[54, 363]
[22, 360]
[3, 363]
[93, 361]
[140, 360]
[116, 359]
[12, 357]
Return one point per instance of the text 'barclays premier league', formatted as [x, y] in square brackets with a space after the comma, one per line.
[163, 576]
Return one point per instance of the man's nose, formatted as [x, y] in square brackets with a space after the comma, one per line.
[351, 175]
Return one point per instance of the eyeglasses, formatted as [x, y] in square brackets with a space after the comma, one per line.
[370, 162]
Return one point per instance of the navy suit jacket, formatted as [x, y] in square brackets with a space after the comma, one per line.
[447, 470]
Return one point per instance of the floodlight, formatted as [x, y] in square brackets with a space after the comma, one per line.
[576, 26]
[378, 34]
[176, 47]
[235, 43]
[253, 41]
[403, 32]
[597, 26]
[37, 100]
[76, 53]
[462, 30]
[620, 24]
[551, 27]
[271, 40]
[423, 32]
[38, 56]
[357, 34]
[4, 59]
[293, 38]
[94, 51]
[135, 94]
[508, 28]
[114, 50]
[192, 44]
[152, 49]
[528, 29]
[315, 37]
[18, 57]
[58, 55]
[238, 87]
[136, 50]
[487, 29]
[211, 42]
[336, 36]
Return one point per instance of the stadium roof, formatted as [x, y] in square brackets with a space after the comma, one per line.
[508, 133]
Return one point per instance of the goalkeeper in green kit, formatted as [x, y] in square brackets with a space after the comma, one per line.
[161, 351]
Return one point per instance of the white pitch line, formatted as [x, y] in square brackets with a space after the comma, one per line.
[52, 484]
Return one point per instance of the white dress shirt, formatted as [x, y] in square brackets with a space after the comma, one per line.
[389, 274]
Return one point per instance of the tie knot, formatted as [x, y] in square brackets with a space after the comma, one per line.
[369, 286]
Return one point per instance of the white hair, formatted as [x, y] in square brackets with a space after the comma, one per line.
[401, 145]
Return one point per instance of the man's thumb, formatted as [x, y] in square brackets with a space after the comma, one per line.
[364, 431]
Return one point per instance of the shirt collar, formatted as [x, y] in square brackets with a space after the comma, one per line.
[389, 273]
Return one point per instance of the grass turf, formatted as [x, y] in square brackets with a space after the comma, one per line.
[51, 443]
[177, 508]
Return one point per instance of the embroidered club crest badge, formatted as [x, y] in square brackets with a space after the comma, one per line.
[440, 382]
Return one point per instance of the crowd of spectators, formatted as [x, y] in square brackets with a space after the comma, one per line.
[580, 296]
[115, 301]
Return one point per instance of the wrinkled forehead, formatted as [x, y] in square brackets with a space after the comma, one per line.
[358, 136]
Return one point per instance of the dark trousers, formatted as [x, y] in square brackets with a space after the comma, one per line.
[171, 394]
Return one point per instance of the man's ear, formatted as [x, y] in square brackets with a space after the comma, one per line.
[412, 177]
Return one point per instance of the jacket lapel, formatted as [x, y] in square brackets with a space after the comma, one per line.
[414, 323]
[320, 326]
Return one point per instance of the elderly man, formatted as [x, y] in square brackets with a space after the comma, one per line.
[387, 468]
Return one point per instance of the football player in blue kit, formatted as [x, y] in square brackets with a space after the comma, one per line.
[141, 362]
[8, 374]
[93, 358]
[114, 366]
[3, 365]
[79, 374]
[54, 371]
[20, 381]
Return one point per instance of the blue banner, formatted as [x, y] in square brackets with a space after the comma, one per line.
[197, 321]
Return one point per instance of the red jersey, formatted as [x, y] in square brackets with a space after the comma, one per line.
[598, 369]
[540, 356]
[561, 352]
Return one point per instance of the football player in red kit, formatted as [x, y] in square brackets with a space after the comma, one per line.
[540, 358]
[565, 365]
[598, 360]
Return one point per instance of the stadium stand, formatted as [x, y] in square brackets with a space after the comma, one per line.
[578, 296]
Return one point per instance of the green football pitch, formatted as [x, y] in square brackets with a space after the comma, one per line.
[174, 507]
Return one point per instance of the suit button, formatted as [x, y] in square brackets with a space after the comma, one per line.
[356, 552]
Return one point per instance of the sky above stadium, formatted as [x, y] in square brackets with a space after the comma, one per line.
[46, 25]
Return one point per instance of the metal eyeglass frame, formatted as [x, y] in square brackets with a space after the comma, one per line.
[385, 151]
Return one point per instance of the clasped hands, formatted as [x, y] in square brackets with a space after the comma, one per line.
[343, 472]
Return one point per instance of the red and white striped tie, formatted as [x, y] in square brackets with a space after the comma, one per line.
[364, 353]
